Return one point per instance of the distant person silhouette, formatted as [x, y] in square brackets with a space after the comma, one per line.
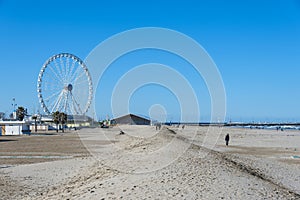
[158, 126]
[227, 139]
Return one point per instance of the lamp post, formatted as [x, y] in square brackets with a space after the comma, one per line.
[14, 115]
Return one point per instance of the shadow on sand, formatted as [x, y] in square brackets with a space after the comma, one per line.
[6, 140]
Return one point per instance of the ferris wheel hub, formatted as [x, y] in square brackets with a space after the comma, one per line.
[69, 87]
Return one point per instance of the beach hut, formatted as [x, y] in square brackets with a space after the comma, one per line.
[131, 119]
[14, 128]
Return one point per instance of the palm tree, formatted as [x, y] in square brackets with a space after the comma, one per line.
[21, 112]
[55, 117]
[63, 119]
[2, 115]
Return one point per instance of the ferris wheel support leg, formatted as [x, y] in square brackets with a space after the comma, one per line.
[76, 104]
[56, 105]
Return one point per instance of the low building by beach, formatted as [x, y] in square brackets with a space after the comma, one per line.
[131, 119]
[14, 128]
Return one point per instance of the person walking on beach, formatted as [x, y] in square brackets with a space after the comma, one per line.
[227, 139]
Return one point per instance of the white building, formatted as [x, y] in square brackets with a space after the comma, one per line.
[14, 128]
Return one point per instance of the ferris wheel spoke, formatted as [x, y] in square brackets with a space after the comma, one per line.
[71, 70]
[67, 67]
[55, 74]
[58, 69]
[53, 95]
[74, 75]
[62, 67]
[81, 82]
[50, 105]
[50, 87]
[78, 77]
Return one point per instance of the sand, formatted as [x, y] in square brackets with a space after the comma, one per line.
[172, 163]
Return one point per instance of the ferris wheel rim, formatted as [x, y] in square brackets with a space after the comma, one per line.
[81, 64]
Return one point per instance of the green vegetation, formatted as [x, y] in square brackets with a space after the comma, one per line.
[21, 112]
[59, 118]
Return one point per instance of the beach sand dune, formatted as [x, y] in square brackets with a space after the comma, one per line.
[168, 164]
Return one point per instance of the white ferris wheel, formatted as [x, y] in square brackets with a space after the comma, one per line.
[65, 85]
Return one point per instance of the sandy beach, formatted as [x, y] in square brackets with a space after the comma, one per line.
[145, 163]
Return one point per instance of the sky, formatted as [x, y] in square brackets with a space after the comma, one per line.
[255, 45]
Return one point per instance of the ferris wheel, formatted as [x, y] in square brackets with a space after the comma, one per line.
[64, 84]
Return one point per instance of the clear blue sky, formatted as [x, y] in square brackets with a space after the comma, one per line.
[255, 44]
